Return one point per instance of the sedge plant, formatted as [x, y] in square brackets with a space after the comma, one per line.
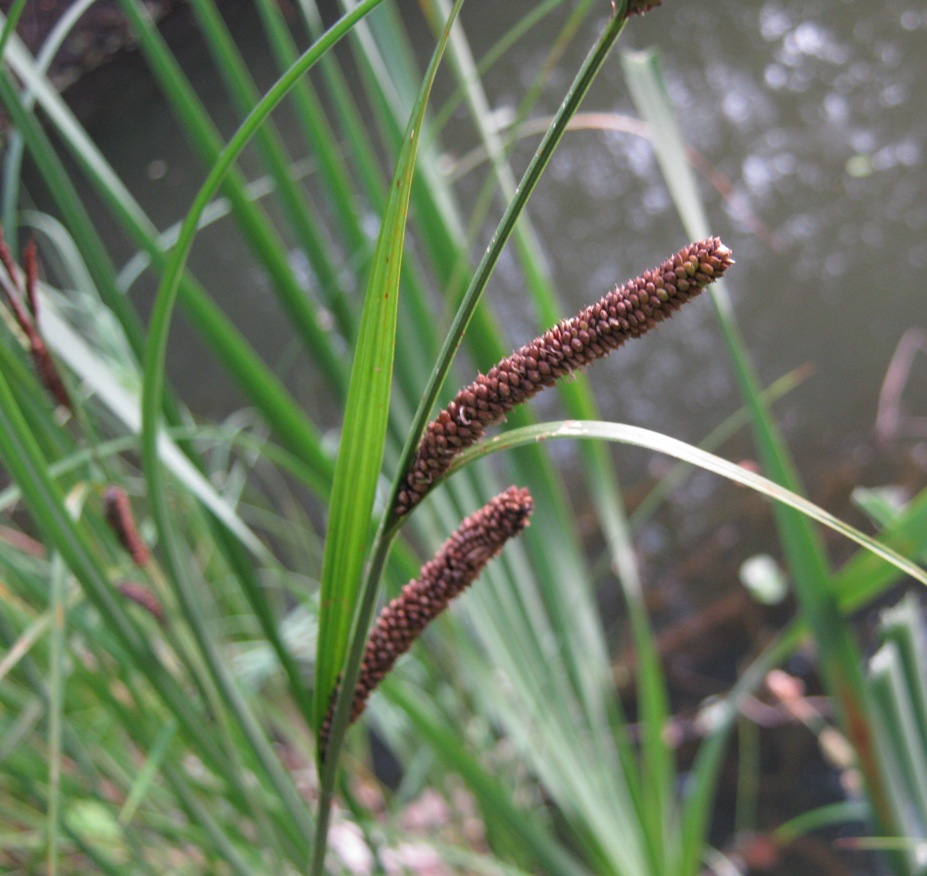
[188, 608]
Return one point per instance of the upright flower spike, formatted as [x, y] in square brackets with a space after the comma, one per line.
[456, 565]
[626, 312]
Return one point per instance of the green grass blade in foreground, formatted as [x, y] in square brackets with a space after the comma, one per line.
[839, 658]
[347, 598]
[9, 24]
[56, 685]
[596, 57]
[363, 434]
[659, 443]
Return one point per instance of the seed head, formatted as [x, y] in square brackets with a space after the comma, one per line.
[626, 312]
[456, 565]
[143, 596]
[122, 522]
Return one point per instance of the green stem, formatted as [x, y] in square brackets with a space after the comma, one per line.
[529, 181]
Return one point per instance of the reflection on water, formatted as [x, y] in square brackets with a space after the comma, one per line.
[809, 109]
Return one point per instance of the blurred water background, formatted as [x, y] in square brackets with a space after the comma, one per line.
[810, 111]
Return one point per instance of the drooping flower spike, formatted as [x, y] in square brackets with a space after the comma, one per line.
[457, 564]
[118, 512]
[119, 516]
[624, 313]
[142, 595]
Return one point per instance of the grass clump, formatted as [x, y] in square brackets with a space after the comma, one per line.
[188, 608]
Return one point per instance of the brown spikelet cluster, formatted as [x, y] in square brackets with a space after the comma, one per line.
[456, 565]
[27, 317]
[142, 595]
[626, 312]
[121, 520]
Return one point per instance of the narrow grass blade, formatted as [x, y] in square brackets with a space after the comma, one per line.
[160, 322]
[820, 818]
[344, 607]
[9, 24]
[659, 443]
[146, 775]
[363, 433]
[56, 684]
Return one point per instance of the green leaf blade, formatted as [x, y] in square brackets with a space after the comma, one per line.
[357, 469]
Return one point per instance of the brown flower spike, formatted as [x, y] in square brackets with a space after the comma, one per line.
[626, 312]
[142, 595]
[121, 520]
[28, 321]
[456, 565]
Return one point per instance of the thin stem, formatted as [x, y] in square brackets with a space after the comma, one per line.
[581, 84]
